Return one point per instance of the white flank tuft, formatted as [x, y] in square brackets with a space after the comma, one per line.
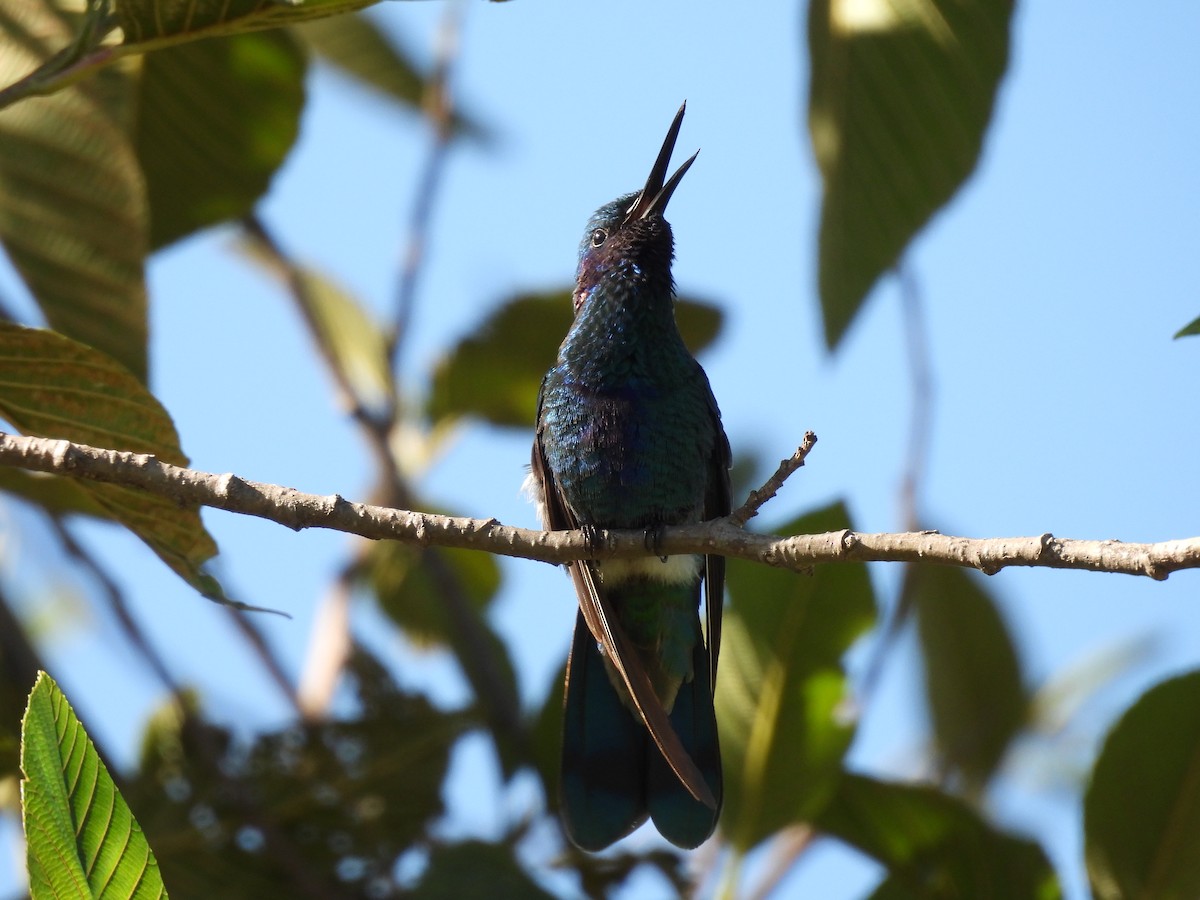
[672, 570]
[533, 491]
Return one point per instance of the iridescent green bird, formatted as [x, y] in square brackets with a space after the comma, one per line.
[629, 436]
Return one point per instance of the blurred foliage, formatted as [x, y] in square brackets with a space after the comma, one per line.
[312, 810]
[210, 160]
[365, 52]
[83, 262]
[933, 845]
[439, 598]
[19, 666]
[973, 680]
[55, 387]
[495, 372]
[900, 98]
[103, 161]
[782, 693]
[152, 20]
[347, 334]
[405, 579]
[476, 869]
[1142, 808]
[1191, 328]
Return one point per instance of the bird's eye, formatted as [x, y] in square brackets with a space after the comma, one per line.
[599, 236]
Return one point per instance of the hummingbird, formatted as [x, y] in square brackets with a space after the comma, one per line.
[629, 436]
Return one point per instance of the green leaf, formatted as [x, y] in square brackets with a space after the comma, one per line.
[496, 372]
[54, 493]
[358, 46]
[54, 387]
[151, 20]
[973, 681]
[1192, 327]
[72, 200]
[216, 119]
[545, 738]
[901, 94]
[933, 845]
[1142, 808]
[476, 869]
[82, 839]
[781, 690]
[409, 583]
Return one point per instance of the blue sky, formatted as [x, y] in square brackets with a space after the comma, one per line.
[1052, 285]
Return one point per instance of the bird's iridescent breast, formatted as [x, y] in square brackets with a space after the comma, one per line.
[632, 451]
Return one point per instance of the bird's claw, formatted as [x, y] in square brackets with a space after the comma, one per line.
[591, 537]
[653, 541]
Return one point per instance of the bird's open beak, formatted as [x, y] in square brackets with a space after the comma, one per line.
[654, 196]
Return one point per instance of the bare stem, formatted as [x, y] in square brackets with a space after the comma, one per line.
[297, 510]
[770, 488]
[440, 110]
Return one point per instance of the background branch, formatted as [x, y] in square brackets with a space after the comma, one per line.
[297, 510]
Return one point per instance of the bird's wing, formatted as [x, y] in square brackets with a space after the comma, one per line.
[718, 502]
[602, 622]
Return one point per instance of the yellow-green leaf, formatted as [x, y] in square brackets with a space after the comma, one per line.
[72, 198]
[348, 334]
[781, 690]
[54, 387]
[82, 839]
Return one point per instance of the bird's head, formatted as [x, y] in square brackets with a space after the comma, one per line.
[629, 238]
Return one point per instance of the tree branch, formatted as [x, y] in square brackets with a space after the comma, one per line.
[298, 510]
[771, 486]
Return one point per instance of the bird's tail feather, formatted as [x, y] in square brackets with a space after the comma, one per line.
[603, 782]
[681, 818]
[613, 774]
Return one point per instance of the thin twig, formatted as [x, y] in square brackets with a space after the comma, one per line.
[787, 847]
[921, 379]
[297, 510]
[19, 667]
[115, 598]
[266, 656]
[329, 648]
[438, 104]
[920, 422]
[19, 659]
[770, 488]
[478, 655]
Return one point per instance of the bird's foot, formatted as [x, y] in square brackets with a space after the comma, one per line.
[653, 541]
[591, 537]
